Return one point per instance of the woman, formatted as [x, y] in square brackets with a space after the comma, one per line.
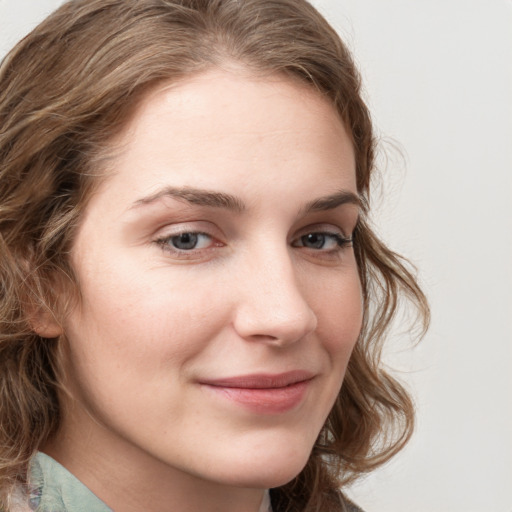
[193, 303]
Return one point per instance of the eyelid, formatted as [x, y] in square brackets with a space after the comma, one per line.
[193, 226]
[326, 228]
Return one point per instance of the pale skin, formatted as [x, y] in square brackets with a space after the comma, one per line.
[218, 247]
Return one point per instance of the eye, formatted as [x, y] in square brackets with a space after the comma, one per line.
[189, 241]
[186, 241]
[322, 241]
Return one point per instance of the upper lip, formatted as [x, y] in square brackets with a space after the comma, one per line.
[261, 380]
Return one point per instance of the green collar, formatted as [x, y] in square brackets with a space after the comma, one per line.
[54, 489]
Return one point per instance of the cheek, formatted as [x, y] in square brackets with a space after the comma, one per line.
[339, 311]
[132, 342]
[131, 322]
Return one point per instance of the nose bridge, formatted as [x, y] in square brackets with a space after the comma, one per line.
[272, 305]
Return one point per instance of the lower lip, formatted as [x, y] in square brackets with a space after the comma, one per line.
[264, 400]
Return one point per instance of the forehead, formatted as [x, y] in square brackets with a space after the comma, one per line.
[236, 93]
[226, 127]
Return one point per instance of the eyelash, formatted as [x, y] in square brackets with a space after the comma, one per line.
[341, 242]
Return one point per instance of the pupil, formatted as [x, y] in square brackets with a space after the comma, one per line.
[314, 240]
[185, 241]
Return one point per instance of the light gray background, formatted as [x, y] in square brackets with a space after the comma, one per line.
[438, 77]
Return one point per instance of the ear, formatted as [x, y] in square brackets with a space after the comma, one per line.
[44, 323]
[37, 304]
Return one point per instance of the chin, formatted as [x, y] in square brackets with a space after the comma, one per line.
[268, 470]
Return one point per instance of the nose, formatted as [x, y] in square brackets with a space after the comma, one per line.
[272, 306]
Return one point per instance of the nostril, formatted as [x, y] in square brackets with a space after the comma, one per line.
[263, 337]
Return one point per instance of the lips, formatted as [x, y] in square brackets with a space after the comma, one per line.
[263, 393]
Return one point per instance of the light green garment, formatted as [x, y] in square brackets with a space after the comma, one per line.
[54, 489]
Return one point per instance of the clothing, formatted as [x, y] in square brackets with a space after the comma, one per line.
[52, 488]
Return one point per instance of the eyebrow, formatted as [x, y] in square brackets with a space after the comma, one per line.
[332, 201]
[215, 199]
[196, 196]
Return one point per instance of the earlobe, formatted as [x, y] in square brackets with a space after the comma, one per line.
[39, 304]
[43, 322]
[47, 327]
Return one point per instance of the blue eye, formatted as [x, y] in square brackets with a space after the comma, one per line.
[314, 240]
[187, 241]
[322, 241]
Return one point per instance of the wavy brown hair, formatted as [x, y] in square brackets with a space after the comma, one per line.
[65, 91]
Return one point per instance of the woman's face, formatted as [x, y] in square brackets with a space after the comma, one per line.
[220, 298]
